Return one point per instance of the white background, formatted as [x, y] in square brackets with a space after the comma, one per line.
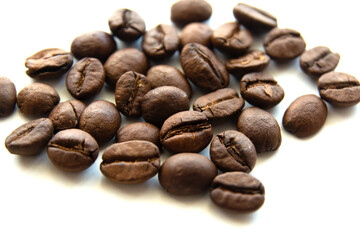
[312, 185]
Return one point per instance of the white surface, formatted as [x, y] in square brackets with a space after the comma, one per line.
[312, 185]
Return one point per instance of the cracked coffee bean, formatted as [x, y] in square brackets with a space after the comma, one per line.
[130, 162]
[72, 150]
[222, 103]
[48, 63]
[187, 131]
[196, 33]
[86, 78]
[233, 151]
[261, 90]
[30, 138]
[7, 97]
[127, 25]
[237, 191]
[203, 68]
[187, 11]
[339, 89]
[139, 131]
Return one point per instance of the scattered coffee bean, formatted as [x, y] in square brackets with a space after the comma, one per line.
[187, 11]
[196, 33]
[30, 138]
[237, 191]
[7, 97]
[139, 131]
[187, 174]
[130, 162]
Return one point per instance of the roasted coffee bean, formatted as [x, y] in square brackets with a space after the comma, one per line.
[187, 174]
[139, 131]
[305, 116]
[318, 60]
[233, 151]
[127, 25]
[129, 92]
[203, 68]
[339, 89]
[130, 162]
[261, 90]
[196, 33]
[72, 150]
[237, 191]
[283, 44]
[37, 99]
[48, 63]
[187, 131]
[86, 78]
[165, 75]
[95, 44]
[261, 128]
[30, 138]
[253, 61]
[229, 38]
[160, 42]
[67, 114]
[187, 11]
[254, 18]
[101, 119]
[7, 97]
[162, 102]
[122, 61]
[222, 103]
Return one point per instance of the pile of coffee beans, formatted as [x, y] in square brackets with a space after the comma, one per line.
[159, 96]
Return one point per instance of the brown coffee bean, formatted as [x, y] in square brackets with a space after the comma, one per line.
[187, 131]
[339, 89]
[203, 68]
[7, 97]
[233, 151]
[130, 162]
[222, 103]
[261, 128]
[237, 191]
[86, 78]
[196, 33]
[261, 90]
[139, 131]
[72, 150]
[186, 174]
[48, 63]
[187, 11]
[30, 138]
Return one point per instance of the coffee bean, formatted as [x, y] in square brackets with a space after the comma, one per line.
[7, 97]
[86, 78]
[261, 90]
[196, 33]
[30, 138]
[229, 38]
[237, 191]
[67, 114]
[72, 150]
[130, 162]
[48, 63]
[37, 99]
[305, 116]
[162, 102]
[122, 61]
[139, 131]
[283, 44]
[95, 44]
[318, 60]
[186, 174]
[203, 68]
[222, 103]
[165, 75]
[187, 11]
[129, 92]
[233, 151]
[261, 128]
[160, 42]
[101, 119]
[253, 61]
[126, 25]
[339, 89]
[187, 131]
